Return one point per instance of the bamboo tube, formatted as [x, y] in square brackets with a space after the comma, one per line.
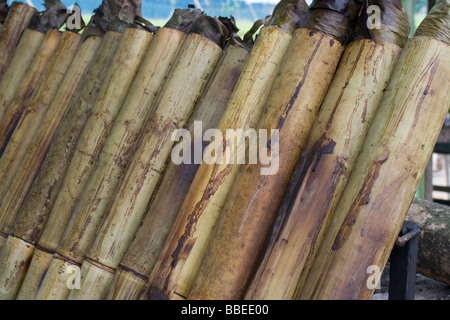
[30, 164]
[192, 70]
[16, 22]
[300, 87]
[394, 156]
[114, 157]
[327, 160]
[32, 161]
[117, 82]
[4, 9]
[27, 50]
[135, 266]
[29, 84]
[40, 200]
[212, 182]
[30, 121]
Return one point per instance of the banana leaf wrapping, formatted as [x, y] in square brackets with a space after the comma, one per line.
[437, 23]
[217, 29]
[394, 24]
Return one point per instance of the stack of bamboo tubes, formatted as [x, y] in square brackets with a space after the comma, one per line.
[94, 206]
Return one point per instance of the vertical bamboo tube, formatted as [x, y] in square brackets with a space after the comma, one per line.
[117, 82]
[25, 53]
[16, 22]
[114, 157]
[192, 70]
[29, 84]
[39, 201]
[30, 121]
[33, 157]
[394, 156]
[324, 166]
[300, 88]
[136, 265]
[180, 257]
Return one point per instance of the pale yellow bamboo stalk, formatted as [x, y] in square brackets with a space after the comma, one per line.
[27, 87]
[113, 160]
[39, 202]
[394, 156]
[9, 208]
[300, 88]
[16, 22]
[192, 70]
[117, 82]
[26, 51]
[136, 265]
[30, 121]
[181, 256]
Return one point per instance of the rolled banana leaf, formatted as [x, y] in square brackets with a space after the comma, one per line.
[118, 149]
